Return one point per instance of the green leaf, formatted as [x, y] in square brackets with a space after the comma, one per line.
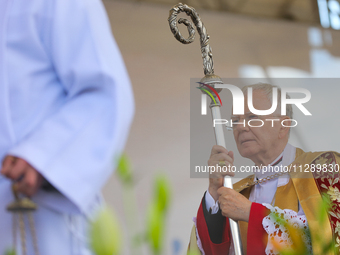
[162, 193]
[10, 252]
[191, 252]
[325, 206]
[124, 169]
[106, 234]
[155, 228]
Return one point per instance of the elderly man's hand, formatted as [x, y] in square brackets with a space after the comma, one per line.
[27, 179]
[218, 154]
[234, 205]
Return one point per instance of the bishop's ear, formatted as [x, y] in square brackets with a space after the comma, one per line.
[285, 125]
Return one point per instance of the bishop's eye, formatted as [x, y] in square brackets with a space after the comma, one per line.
[235, 120]
[253, 116]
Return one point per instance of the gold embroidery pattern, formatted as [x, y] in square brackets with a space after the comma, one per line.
[328, 183]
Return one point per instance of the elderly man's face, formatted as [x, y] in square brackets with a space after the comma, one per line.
[257, 143]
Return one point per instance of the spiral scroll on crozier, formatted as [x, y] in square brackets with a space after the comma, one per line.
[208, 64]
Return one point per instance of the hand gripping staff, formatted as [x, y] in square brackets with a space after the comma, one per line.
[209, 80]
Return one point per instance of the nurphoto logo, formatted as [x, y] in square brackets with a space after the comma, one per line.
[239, 102]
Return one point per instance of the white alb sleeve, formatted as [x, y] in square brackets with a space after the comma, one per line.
[76, 148]
[211, 203]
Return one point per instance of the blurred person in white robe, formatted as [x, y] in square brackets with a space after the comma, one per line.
[66, 107]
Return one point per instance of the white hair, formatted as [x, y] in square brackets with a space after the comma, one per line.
[268, 90]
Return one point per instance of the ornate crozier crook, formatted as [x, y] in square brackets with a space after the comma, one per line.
[209, 79]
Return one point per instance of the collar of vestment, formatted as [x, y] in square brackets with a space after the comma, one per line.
[288, 156]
